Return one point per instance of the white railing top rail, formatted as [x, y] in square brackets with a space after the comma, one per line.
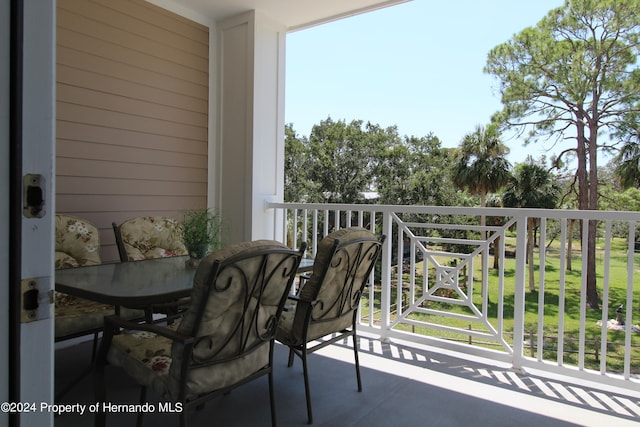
[459, 210]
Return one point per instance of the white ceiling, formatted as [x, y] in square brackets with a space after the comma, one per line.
[295, 14]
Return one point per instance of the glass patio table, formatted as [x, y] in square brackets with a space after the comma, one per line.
[133, 284]
[306, 264]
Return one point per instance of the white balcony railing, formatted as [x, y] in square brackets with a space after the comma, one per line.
[447, 281]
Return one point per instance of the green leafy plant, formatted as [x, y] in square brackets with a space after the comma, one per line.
[200, 230]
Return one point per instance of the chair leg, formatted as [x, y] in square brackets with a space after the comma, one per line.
[64, 390]
[143, 398]
[99, 386]
[290, 363]
[357, 359]
[306, 385]
[183, 417]
[100, 394]
[272, 399]
[94, 351]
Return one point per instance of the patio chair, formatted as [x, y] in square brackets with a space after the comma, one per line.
[225, 338]
[325, 309]
[147, 237]
[77, 243]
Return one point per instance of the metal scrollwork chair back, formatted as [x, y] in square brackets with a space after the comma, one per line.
[225, 338]
[327, 304]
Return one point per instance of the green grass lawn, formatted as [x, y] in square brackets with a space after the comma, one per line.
[552, 316]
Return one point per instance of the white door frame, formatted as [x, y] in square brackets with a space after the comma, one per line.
[33, 142]
[5, 135]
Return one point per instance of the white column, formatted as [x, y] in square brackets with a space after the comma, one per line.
[250, 124]
[268, 130]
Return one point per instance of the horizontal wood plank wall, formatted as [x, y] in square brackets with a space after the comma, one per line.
[132, 113]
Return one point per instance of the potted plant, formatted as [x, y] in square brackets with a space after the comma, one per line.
[201, 233]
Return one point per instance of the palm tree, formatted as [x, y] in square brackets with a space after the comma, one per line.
[482, 167]
[628, 164]
[531, 186]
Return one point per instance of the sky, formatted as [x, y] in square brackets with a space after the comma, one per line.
[417, 65]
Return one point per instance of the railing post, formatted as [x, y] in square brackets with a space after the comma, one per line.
[519, 298]
[532, 346]
[385, 279]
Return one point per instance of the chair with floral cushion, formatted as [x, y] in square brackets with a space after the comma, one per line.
[325, 309]
[77, 243]
[148, 237]
[225, 338]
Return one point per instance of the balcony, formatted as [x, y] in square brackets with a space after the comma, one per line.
[447, 337]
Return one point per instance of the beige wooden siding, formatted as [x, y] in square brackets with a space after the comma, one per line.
[132, 113]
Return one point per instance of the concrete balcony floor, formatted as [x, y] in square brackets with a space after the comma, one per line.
[404, 384]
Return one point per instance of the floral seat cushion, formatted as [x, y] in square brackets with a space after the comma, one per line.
[145, 355]
[149, 237]
[76, 316]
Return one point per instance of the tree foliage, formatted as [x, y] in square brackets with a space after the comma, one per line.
[531, 186]
[342, 159]
[615, 195]
[296, 185]
[415, 171]
[627, 162]
[573, 75]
